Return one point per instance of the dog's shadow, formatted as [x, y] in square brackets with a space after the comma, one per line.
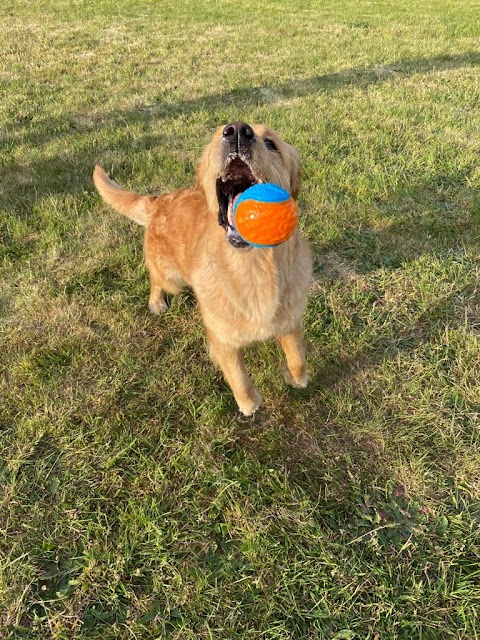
[297, 431]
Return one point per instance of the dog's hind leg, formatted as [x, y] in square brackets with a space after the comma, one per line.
[231, 362]
[158, 284]
[292, 345]
[156, 302]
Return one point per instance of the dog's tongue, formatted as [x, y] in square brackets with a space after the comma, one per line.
[231, 205]
[232, 229]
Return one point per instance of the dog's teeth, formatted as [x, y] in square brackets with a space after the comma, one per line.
[230, 211]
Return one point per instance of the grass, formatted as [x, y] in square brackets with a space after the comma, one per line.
[135, 504]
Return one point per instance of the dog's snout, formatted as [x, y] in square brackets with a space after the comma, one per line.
[238, 134]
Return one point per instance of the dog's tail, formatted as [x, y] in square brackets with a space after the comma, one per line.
[130, 204]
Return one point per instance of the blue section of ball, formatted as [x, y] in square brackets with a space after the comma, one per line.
[265, 192]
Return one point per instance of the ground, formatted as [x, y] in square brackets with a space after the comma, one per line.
[134, 502]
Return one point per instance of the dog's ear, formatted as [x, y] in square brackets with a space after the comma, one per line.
[200, 170]
[296, 182]
[295, 171]
[205, 178]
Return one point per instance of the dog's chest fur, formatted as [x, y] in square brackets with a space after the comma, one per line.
[256, 294]
[244, 295]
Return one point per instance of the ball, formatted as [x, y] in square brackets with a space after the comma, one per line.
[265, 215]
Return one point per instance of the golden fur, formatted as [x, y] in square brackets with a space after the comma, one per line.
[244, 294]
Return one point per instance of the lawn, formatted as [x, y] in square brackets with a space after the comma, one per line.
[134, 502]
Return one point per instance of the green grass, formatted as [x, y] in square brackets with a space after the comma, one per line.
[134, 503]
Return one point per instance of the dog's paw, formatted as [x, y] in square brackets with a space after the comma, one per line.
[249, 407]
[158, 307]
[298, 383]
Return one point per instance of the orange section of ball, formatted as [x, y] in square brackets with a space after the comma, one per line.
[266, 223]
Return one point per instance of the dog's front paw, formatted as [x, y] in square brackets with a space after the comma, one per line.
[249, 406]
[299, 383]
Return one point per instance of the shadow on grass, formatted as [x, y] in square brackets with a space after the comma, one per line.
[322, 456]
[440, 215]
[304, 452]
[23, 185]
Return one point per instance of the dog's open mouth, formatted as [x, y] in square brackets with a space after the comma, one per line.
[237, 178]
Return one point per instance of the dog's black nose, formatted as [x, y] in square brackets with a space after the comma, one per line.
[238, 134]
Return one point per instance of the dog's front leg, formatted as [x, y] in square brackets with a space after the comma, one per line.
[231, 362]
[292, 345]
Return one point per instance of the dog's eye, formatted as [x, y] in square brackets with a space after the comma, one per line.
[270, 144]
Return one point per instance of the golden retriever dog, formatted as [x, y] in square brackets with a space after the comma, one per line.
[245, 293]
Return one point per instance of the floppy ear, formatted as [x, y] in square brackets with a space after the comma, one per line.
[205, 178]
[296, 182]
[201, 169]
[295, 171]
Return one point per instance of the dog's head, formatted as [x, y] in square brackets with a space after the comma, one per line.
[238, 157]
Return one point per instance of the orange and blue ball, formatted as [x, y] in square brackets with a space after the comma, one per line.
[265, 215]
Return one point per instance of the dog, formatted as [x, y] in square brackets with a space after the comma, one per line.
[245, 294]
